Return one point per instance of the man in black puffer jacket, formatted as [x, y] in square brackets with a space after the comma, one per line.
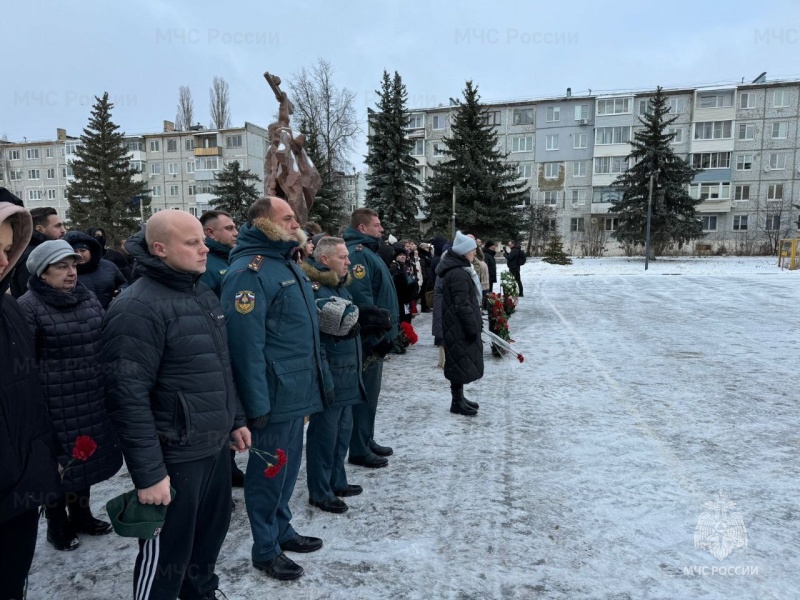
[171, 397]
[28, 473]
[98, 275]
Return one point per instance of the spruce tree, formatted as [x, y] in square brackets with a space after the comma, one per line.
[674, 212]
[328, 208]
[233, 191]
[554, 253]
[488, 192]
[392, 178]
[103, 193]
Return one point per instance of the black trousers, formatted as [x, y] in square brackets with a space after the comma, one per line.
[515, 272]
[180, 562]
[17, 543]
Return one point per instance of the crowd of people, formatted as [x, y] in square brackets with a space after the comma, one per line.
[195, 339]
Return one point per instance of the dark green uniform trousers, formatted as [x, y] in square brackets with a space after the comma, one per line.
[364, 414]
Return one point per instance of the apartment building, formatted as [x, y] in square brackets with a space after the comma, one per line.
[570, 149]
[179, 166]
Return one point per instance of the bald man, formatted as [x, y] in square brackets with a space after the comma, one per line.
[171, 397]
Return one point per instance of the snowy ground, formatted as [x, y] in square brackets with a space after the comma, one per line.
[641, 397]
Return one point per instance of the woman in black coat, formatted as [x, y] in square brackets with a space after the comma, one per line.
[28, 471]
[461, 322]
[97, 274]
[65, 319]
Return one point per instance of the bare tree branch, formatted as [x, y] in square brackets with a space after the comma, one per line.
[185, 109]
[219, 104]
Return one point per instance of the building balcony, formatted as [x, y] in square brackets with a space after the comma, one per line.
[714, 205]
[215, 151]
[601, 208]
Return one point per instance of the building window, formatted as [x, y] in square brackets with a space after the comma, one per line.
[677, 106]
[744, 162]
[172, 145]
[206, 163]
[190, 166]
[66, 170]
[676, 133]
[711, 160]
[70, 148]
[233, 141]
[189, 144]
[773, 223]
[610, 224]
[775, 191]
[577, 197]
[491, 117]
[576, 224]
[580, 140]
[709, 223]
[643, 107]
[582, 112]
[710, 191]
[612, 135]
[716, 100]
[137, 165]
[48, 153]
[777, 160]
[713, 130]
[551, 142]
[522, 143]
[416, 121]
[51, 194]
[13, 155]
[32, 153]
[741, 192]
[780, 130]
[553, 114]
[172, 168]
[439, 149]
[66, 193]
[155, 146]
[51, 173]
[551, 170]
[607, 165]
[740, 222]
[33, 173]
[420, 179]
[579, 168]
[34, 194]
[524, 171]
[135, 145]
[15, 175]
[174, 190]
[747, 131]
[747, 100]
[550, 197]
[156, 190]
[613, 106]
[155, 169]
[523, 116]
[439, 121]
[419, 148]
[780, 99]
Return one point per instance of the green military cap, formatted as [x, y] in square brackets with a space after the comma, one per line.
[131, 518]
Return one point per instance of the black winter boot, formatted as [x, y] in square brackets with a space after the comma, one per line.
[458, 404]
[470, 403]
[81, 518]
[60, 532]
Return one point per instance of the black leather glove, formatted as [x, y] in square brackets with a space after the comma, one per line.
[354, 331]
[258, 422]
[382, 348]
[374, 320]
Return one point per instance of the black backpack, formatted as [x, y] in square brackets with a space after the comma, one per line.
[522, 257]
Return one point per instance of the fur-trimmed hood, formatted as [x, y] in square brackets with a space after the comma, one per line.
[324, 275]
[267, 238]
[279, 234]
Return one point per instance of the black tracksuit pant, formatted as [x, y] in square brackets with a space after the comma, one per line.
[17, 543]
[180, 562]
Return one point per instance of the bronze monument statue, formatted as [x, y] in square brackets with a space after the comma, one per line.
[288, 172]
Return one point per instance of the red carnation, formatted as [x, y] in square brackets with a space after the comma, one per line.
[271, 471]
[281, 457]
[84, 448]
[408, 331]
[520, 358]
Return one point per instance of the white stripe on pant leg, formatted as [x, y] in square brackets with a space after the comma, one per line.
[152, 548]
[143, 567]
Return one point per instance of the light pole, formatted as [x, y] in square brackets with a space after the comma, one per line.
[649, 217]
[454, 212]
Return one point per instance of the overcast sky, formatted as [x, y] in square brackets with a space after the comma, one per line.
[58, 55]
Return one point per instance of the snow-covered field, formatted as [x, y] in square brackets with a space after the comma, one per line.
[643, 395]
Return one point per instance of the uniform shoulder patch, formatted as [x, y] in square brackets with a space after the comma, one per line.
[245, 302]
[359, 272]
[256, 263]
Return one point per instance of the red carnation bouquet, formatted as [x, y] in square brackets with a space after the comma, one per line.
[407, 335]
[273, 467]
[83, 449]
